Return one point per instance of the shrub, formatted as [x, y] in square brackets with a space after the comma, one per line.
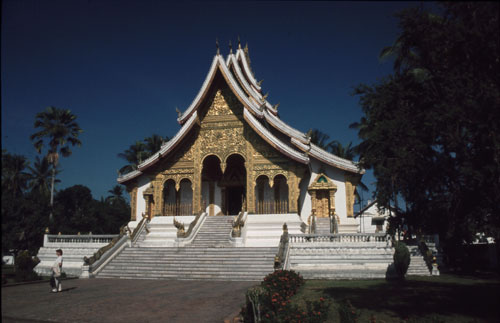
[24, 267]
[347, 312]
[285, 282]
[271, 301]
[401, 259]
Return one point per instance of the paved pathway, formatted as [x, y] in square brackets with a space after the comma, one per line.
[124, 300]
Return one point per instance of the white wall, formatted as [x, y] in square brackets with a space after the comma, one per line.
[337, 176]
[143, 184]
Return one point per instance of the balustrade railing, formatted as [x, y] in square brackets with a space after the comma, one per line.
[178, 209]
[340, 237]
[73, 238]
[272, 207]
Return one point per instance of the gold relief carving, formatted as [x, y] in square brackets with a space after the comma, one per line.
[322, 192]
[350, 187]
[133, 204]
[221, 103]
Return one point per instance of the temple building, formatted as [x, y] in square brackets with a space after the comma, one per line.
[233, 153]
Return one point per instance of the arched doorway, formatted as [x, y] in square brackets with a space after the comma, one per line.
[177, 202]
[233, 185]
[280, 194]
[211, 175]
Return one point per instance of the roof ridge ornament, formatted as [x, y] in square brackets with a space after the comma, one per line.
[239, 42]
[217, 45]
[265, 96]
[179, 113]
[230, 47]
[260, 82]
[275, 107]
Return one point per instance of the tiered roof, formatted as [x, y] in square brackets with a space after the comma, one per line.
[258, 112]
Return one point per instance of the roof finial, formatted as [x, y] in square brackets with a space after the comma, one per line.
[179, 113]
[230, 47]
[276, 106]
[239, 42]
[265, 95]
[260, 82]
[217, 45]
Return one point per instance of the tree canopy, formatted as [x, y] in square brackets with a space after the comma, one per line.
[431, 130]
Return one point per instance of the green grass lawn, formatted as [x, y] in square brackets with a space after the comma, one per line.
[447, 298]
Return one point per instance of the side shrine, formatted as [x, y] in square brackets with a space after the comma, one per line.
[233, 153]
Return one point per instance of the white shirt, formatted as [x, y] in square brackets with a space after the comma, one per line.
[59, 260]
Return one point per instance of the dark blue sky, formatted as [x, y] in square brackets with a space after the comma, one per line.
[124, 66]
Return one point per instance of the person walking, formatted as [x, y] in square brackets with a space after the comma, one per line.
[56, 271]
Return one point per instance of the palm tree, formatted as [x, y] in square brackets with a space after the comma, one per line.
[14, 178]
[318, 138]
[154, 143]
[40, 175]
[116, 194]
[141, 151]
[347, 152]
[59, 127]
[134, 155]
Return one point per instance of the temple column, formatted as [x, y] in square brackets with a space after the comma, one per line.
[250, 187]
[292, 193]
[331, 194]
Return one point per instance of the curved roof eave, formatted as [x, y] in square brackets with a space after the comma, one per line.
[240, 54]
[238, 91]
[201, 93]
[164, 150]
[219, 64]
[272, 140]
[281, 126]
[328, 158]
[128, 176]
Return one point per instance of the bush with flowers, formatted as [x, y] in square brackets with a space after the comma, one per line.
[274, 305]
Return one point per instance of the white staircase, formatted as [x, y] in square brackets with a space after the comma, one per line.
[418, 266]
[210, 256]
[340, 256]
[215, 232]
[323, 225]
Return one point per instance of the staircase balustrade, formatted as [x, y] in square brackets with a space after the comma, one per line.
[340, 237]
[185, 237]
[73, 238]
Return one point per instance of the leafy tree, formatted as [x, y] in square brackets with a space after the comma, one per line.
[140, 151]
[430, 130]
[22, 212]
[77, 211]
[59, 127]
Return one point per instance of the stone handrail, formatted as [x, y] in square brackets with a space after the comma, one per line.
[139, 228]
[192, 231]
[102, 251]
[340, 237]
[279, 260]
[107, 256]
[74, 238]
